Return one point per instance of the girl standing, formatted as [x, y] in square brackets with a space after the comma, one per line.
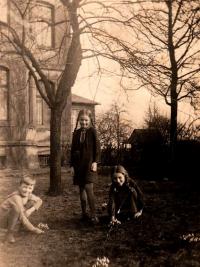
[85, 154]
[125, 197]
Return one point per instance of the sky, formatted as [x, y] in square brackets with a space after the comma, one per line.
[105, 90]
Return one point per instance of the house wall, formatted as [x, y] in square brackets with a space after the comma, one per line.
[21, 137]
[15, 147]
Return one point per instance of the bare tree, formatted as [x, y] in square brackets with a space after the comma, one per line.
[113, 128]
[165, 52]
[17, 39]
[156, 120]
[89, 18]
[189, 130]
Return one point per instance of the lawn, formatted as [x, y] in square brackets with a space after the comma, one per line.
[171, 211]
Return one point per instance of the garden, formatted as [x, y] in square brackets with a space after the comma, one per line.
[167, 234]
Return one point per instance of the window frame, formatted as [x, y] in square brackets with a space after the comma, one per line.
[38, 97]
[51, 7]
[44, 106]
[8, 13]
[7, 86]
[74, 112]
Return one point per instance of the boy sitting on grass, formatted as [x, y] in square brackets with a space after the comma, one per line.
[18, 206]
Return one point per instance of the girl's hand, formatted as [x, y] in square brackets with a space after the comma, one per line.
[72, 171]
[114, 221]
[94, 167]
[138, 214]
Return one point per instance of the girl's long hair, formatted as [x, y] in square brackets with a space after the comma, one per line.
[120, 169]
[86, 112]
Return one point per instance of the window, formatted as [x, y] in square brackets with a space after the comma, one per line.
[42, 110]
[42, 20]
[74, 117]
[3, 93]
[4, 10]
[39, 108]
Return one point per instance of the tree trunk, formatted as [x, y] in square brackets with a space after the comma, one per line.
[55, 152]
[173, 127]
[173, 83]
[118, 139]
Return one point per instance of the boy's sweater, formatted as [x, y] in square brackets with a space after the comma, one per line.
[15, 200]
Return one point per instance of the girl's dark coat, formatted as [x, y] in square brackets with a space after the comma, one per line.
[83, 155]
[120, 197]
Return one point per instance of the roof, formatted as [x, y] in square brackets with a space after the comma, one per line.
[143, 136]
[76, 99]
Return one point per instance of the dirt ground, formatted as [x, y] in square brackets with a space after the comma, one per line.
[155, 240]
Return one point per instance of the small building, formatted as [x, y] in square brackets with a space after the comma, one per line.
[143, 137]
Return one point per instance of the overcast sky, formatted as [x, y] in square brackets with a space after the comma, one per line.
[106, 90]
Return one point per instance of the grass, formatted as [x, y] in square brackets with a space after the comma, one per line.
[172, 209]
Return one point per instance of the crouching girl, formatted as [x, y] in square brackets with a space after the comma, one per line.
[125, 197]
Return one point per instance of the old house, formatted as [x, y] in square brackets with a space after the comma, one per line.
[24, 115]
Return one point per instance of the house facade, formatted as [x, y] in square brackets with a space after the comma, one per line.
[24, 115]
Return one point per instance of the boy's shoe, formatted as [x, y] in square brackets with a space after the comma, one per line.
[94, 220]
[10, 238]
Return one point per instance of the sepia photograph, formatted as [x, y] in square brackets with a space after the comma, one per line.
[99, 133]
